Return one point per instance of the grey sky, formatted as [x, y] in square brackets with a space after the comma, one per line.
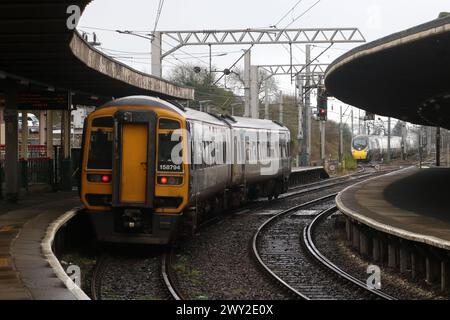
[375, 18]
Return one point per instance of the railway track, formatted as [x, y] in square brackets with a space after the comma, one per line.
[294, 192]
[164, 282]
[284, 249]
[161, 281]
[308, 241]
[168, 278]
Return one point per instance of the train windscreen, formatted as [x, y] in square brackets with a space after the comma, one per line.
[165, 148]
[360, 143]
[100, 149]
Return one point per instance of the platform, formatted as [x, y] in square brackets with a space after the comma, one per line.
[303, 175]
[411, 203]
[25, 270]
[402, 220]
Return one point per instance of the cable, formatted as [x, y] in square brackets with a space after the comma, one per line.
[312, 61]
[234, 64]
[158, 14]
[202, 61]
[302, 14]
[292, 9]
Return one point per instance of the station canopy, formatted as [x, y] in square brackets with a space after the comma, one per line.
[38, 49]
[405, 75]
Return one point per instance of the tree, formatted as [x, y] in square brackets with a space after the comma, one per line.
[236, 80]
[218, 99]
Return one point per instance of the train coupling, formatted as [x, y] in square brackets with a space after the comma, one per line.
[132, 219]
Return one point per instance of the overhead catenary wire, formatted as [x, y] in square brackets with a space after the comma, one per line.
[287, 13]
[302, 14]
[158, 14]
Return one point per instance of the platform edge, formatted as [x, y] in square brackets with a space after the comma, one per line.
[432, 241]
[46, 247]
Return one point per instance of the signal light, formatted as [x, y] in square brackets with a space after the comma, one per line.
[322, 103]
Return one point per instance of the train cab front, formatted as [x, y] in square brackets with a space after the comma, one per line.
[132, 187]
[360, 148]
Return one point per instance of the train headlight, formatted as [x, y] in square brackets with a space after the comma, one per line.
[170, 180]
[99, 178]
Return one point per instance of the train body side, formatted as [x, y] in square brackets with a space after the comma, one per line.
[375, 148]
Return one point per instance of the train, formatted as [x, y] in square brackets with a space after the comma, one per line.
[149, 165]
[367, 148]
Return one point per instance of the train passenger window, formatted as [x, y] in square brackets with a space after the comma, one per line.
[100, 150]
[224, 144]
[258, 150]
[167, 124]
[205, 154]
[247, 149]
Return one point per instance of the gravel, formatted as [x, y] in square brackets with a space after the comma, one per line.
[133, 276]
[330, 239]
[217, 262]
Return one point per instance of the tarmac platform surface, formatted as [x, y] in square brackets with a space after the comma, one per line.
[25, 272]
[411, 203]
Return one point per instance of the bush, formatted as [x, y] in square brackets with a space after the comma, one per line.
[350, 163]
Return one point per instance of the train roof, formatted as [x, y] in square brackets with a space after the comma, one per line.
[189, 113]
[242, 122]
[375, 136]
[143, 101]
[193, 114]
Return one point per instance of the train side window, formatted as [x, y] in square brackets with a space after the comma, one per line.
[224, 152]
[247, 150]
[168, 124]
[257, 151]
[192, 154]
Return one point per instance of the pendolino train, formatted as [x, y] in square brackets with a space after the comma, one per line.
[374, 147]
[147, 163]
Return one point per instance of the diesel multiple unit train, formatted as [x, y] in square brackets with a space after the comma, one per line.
[146, 163]
[375, 148]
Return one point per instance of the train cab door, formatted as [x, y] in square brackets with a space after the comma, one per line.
[134, 158]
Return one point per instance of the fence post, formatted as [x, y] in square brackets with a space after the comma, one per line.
[24, 174]
[1, 181]
[51, 181]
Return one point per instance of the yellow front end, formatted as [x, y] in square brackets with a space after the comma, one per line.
[359, 154]
[137, 198]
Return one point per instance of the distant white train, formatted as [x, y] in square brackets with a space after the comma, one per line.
[375, 148]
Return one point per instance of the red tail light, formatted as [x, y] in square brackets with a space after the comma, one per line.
[173, 181]
[99, 178]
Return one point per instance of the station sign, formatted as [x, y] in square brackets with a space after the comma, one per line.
[45, 100]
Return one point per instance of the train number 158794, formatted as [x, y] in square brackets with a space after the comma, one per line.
[170, 167]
